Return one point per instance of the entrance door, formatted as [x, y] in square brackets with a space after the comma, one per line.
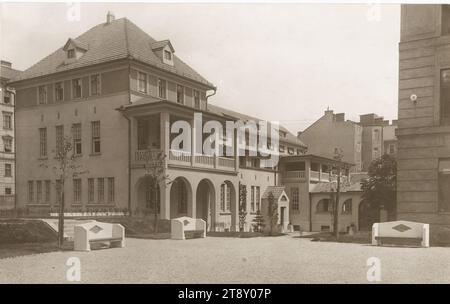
[282, 210]
[367, 216]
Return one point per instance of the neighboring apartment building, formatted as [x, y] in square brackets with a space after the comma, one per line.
[423, 190]
[116, 92]
[332, 131]
[378, 138]
[7, 162]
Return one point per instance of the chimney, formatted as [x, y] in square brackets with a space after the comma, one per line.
[328, 111]
[5, 64]
[110, 17]
[339, 117]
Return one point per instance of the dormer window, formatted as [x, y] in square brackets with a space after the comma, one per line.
[167, 55]
[71, 54]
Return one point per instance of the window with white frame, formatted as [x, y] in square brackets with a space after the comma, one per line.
[59, 91]
[42, 94]
[91, 190]
[196, 99]
[162, 88]
[95, 126]
[59, 140]
[142, 82]
[347, 206]
[30, 191]
[76, 133]
[77, 190]
[7, 120]
[168, 55]
[445, 97]
[101, 190]
[38, 191]
[76, 88]
[95, 84]
[8, 170]
[180, 94]
[47, 191]
[111, 190]
[7, 144]
[295, 199]
[42, 142]
[257, 198]
[252, 198]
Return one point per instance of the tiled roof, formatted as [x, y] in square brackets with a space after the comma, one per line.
[107, 42]
[290, 138]
[277, 191]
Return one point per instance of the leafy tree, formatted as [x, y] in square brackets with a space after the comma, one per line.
[273, 212]
[379, 188]
[242, 206]
[66, 166]
[258, 222]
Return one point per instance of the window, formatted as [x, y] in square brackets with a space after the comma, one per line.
[7, 98]
[347, 206]
[444, 185]
[71, 53]
[76, 133]
[7, 120]
[47, 192]
[95, 84]
[167, 55]
[445, 97]
[376, 134]
[43, 142]
[252, 199]
[38, 192]
[95, 125]
[295, 202]
[196, 99]
[30, 191]
[76, 88]
[8, 170]
[391, 149]
[90, 190]
[281, 148]
[445, 19]
[111, 190]
[180, 94]
[162, 88]
[222, 197]
[42, 94]
[290, 150]
[7, 144]
[8, 191]
[324, 205]
[59, 91]
[101, 190]
[228, 200]
[77, 190]
[59, 140]
[258, 198]
[142, 82]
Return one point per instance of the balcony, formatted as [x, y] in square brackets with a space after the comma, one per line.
[180, 158]
[314, 176]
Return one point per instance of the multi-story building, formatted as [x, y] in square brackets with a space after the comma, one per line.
[117, 93]
[423, 190]
[331, 132]
[378, 138]
[7, 162]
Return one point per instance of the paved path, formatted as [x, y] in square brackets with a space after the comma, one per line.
[233, 260]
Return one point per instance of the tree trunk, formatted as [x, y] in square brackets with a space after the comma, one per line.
[61, 219]
[155, 210]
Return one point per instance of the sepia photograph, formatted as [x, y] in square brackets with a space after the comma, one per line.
[224, 143]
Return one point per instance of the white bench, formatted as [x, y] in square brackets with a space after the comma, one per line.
[181, 225]
[401, 233]
[98, 232]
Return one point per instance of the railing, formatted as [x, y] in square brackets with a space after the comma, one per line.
[180, 156]
[314, 175]
[226, 162]
[146, 155]
[204, 160]
[294, 174]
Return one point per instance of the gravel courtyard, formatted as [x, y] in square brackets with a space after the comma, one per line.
[283, 259]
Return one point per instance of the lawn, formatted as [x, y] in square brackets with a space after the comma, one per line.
[284, 259]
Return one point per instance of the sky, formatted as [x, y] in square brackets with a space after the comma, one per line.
[280, 62]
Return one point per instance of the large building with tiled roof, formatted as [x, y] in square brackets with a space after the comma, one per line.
[116, 93]
[7, 161]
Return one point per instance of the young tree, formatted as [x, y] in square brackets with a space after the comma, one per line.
[66, 166]
[258, 222]
[155, 176]
[273, 212]
[380, 187]
[242, 206]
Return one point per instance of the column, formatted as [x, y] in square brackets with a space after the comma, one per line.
[235, 209]
[165, 135]
[192, 204]
[165, 202]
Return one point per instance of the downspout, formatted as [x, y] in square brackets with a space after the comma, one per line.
[210, 95]
[129, 140]
[310, 212]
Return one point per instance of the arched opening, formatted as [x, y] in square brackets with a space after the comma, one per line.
[149, 197]
[368, 214]
[180, 197]
[347, 206]
[205, 197]
[228, 204]
[324, 205]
